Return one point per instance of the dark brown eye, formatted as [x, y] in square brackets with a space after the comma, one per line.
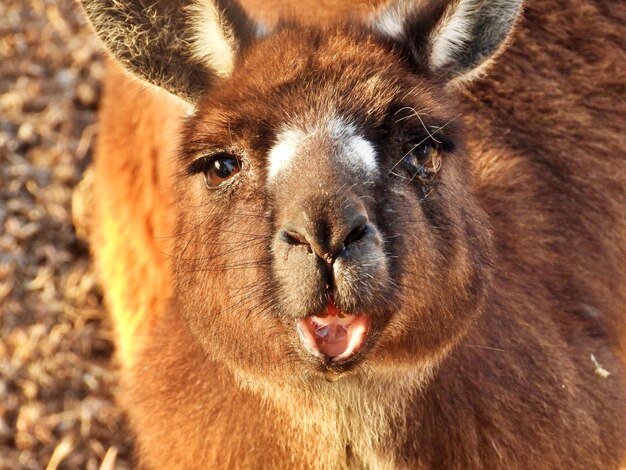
[220, 168]
[422, 159]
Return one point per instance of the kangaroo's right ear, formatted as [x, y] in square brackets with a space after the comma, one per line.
[452, 39]
[178, 45]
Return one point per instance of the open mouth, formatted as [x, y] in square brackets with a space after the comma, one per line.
[335, 335]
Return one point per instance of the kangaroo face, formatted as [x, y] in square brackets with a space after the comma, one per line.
[326, 223]
[325, 212]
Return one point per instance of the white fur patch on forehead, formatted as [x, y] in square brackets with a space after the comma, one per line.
[352, 149]
[285, 150]
[357, 152]
[213, 41]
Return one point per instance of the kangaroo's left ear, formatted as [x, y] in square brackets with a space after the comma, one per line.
[182, 46]
[453, 39]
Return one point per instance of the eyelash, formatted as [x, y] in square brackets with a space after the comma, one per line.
[199, 164]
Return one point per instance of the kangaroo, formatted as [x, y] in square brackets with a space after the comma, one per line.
[373, 235]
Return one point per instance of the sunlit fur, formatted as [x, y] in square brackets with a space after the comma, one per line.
[503, 277]
[212, 41]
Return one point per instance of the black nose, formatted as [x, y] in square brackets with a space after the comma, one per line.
[326, 234]
[327, 242]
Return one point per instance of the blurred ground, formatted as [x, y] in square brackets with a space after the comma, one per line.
[56, 373]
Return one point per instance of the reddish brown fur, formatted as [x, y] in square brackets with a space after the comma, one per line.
[545, 137]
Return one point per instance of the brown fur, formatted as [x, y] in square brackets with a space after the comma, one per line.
[528, 277]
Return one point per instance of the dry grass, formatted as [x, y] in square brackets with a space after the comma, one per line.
[56, 375]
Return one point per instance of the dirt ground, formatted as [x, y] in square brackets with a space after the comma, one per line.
[57, 377]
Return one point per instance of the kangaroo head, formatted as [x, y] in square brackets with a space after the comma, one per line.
[326, 221]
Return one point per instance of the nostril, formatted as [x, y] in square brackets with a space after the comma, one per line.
[356, 234]
[294, 238]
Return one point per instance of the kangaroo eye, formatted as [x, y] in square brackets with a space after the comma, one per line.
[220, 169]
[216, 168]
[422, 159]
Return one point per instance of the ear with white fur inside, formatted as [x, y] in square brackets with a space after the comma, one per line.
[179, 45]
[454, 39]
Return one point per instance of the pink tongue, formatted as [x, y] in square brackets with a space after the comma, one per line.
[333, 339]
[335, 335]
